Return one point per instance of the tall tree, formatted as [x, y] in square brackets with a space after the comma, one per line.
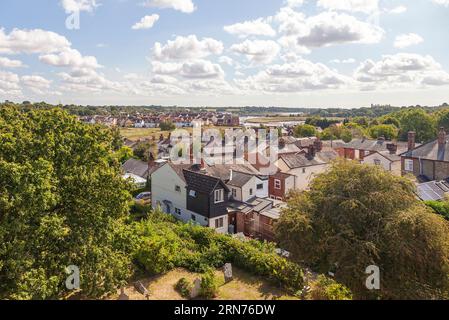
[419, 121]
[355, 216]
[62, 202]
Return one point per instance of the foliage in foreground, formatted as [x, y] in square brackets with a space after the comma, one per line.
[324, 288]
[355, 216]
[161, 244]
[62, 202]
[440, 207]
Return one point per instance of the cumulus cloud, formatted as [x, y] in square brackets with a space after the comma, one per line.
[31, 41]
[185, 6]
[441, 2]
[71, 6]
[258, 27]
[365, 6]
[407, 40]
[9, 83]
[189, 69]
[257, 51]
[402, 69]
[299, 76]
[146, 22]
[9, 63]
[397, 10]
[70, 58]
[294, 3]
[187, 48]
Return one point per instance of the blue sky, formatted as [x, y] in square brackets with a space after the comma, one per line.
[293, 53]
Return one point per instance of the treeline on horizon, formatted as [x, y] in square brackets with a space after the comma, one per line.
[116, 110]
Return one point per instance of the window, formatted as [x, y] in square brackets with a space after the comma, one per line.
[177, 188]
[251, 192]
[219, 195]
[193, 217]
[219, 223]
[367, 153]
[303, 170]
[377, 162]
[192, 193]
[277, 184]
[260, 186]
[234, 193]
[178, 211]
[408, 164]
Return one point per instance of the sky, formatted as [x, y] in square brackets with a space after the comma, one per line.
[217, 53]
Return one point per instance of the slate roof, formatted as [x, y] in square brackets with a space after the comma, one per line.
[201, 182]
[301, 160]
[305, 142]
[136, 167]
[374, 145]
[430, 151]
[389, 156]
[239, 179]
[433, 190]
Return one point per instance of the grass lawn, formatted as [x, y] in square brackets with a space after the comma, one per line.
[275, 119]
[244, 287]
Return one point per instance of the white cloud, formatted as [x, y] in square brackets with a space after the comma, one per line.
[166, 68]
[201, 69]
[185, 6]
[70, 58]
[401, 70]
[299, 76]
[87, 80]
[344, 61]
[31, 41]
[71, 6]
[329, 28]
[9, 83]
[397, 10]
[257, 51]
[35, 82]
[187, 48]
[294, 3]
[9, 63]
[407, 40]
[365, 6]
[442, 2]
[258, 27]
[146, 22]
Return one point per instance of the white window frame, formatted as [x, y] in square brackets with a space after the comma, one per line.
[219, 196]
[408, 165]
[277, 184]
[192, 193]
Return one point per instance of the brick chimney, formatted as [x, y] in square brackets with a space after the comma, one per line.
[441, 138]
[392, 147]
[311, 152]
[281, 143]
[318, 144]
[411, 140]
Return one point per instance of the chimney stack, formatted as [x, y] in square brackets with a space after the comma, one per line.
[392, 147]
[411, 140]
[312, 152]
[318, 144]
[441, 137]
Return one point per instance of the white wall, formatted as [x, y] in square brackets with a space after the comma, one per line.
[225, 227]
[303, 179]
[263, 193]
[393, 167]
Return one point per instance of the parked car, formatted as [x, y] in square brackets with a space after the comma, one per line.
[145, 196]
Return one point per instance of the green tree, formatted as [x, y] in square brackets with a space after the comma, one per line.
[419, 121]
[167, 126]
[62, 202]
[143, 150]
[355, 216]
[443, 119]
[304, 131]
[324, 288]
[388, 131]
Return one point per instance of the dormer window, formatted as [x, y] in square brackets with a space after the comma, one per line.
[192, 193]
[219, 195]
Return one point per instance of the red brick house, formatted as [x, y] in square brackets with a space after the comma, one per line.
[280, 185]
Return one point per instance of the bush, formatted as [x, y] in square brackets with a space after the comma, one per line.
[140, 210]
[166, 245]
[209, 286]
[183, 286]
[441, 208]
[325, 288]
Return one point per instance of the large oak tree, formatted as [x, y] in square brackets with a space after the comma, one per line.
[357, 215]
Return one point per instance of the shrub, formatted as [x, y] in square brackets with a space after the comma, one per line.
[209, 286]
[442, 208]
[325, 288]
[183, 286]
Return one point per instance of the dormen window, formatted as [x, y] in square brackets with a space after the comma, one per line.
[219, 195]
[277, 184]
[408, 165]
[260, 186]
[377, 162]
